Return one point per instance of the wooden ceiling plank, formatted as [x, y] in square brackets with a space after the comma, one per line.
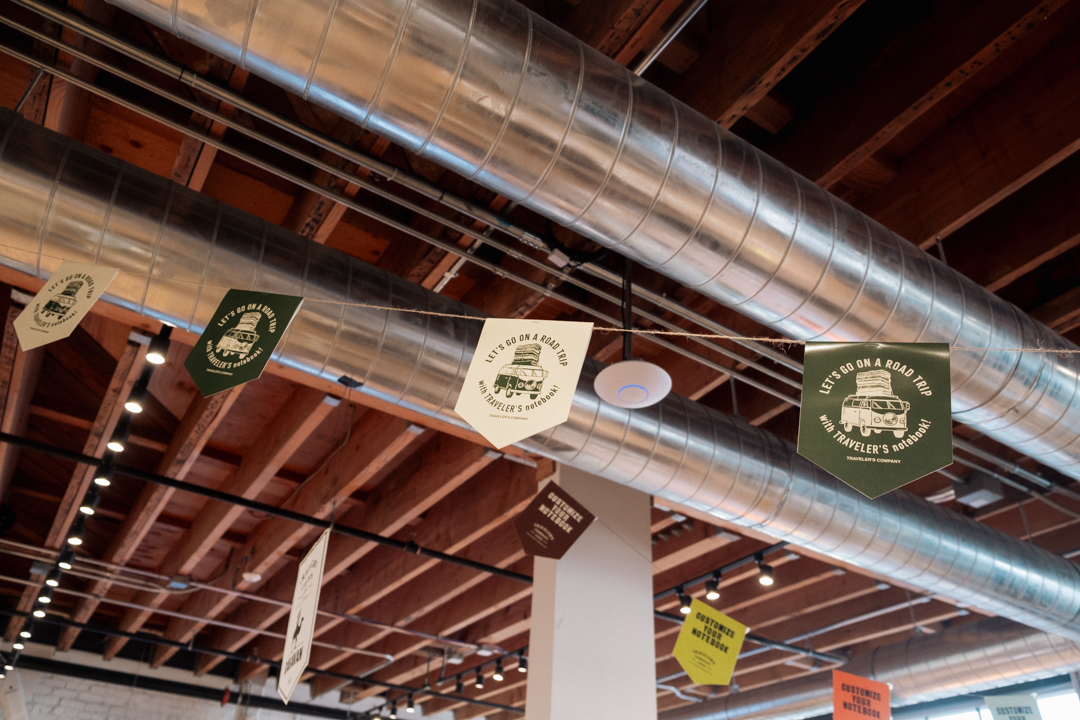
[753, 48]
[199, 422]
[437, 587]
[1029, 228]
[23, 382]
[958, 41]
[1006, 139]
[195, 158]
[446, 464]
[19, 372]
[68, 108]
[497, 494]
[608, 25]
[482, 598]
[304, 411]
[374, 442]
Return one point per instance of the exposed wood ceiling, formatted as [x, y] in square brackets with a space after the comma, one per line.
[954, 119]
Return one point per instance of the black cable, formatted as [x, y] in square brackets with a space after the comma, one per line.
[155, 640]
[409, 547]
[775, 644]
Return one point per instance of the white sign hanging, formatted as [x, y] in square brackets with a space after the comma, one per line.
[301, 628]
[63, 302]
[1013, 707]
[522, 377]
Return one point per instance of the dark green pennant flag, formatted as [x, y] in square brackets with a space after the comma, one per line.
[238, 342]
[877, 415]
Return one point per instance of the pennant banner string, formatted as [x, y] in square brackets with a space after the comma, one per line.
[606, 330]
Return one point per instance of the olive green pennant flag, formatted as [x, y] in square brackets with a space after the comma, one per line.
[876, 415]
[241, 337]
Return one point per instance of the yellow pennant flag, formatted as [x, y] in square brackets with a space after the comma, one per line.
[709, 645]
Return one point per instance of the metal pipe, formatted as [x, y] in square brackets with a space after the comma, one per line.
[971, 658]
[107, 37]
[504, 98]
[402, 227]
[405, 546]
[680, 24]
[178, 251]
[104, 36]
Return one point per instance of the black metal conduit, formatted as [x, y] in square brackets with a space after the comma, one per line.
[28, 662]
[774, 644]
[405, 546]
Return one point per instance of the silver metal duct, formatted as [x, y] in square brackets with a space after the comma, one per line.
[501, 96]
[179, 252]
[972, 658]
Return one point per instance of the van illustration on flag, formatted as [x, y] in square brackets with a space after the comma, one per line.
[524, 374]
[874, 407]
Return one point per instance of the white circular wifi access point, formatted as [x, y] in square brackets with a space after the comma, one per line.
[632, 384]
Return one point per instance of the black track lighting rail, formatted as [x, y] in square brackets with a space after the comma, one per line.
[405, 546]
[766, 642]
[26, 661]
[752, 558]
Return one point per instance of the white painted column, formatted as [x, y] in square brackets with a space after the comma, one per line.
[592, 652]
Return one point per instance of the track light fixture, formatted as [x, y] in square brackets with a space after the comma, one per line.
[26, 634]
[53, 578]
[459, 688]
[9, 667]
[498, 676]
[64, 560]
[479, 679]
[45, 596]
[119, 437]
[393, 711]
[159, 347]
[90, 502]
[765, 573]
[137, 398]
[712, 587]
[18, 646]
[103, 476]
[684, 602]
[523, 663]
[78, 528]
[39, 613]
[410, 707]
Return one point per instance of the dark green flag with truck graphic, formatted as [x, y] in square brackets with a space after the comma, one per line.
[876, 415]
[238, 342]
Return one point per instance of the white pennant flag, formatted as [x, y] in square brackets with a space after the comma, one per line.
[522, 377]
[301, 628]
[66, 298]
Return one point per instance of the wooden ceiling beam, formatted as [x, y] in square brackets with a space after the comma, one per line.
[445, 465]
[19, 372]
[438, 587]
[609, 25]
[302, 414]
[489, 595]
[199, 422]
[1006, 139]
[495, 495]
[756, 44]
[374, 443]
[125, 373]
[848, 126]
[1029, 228]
